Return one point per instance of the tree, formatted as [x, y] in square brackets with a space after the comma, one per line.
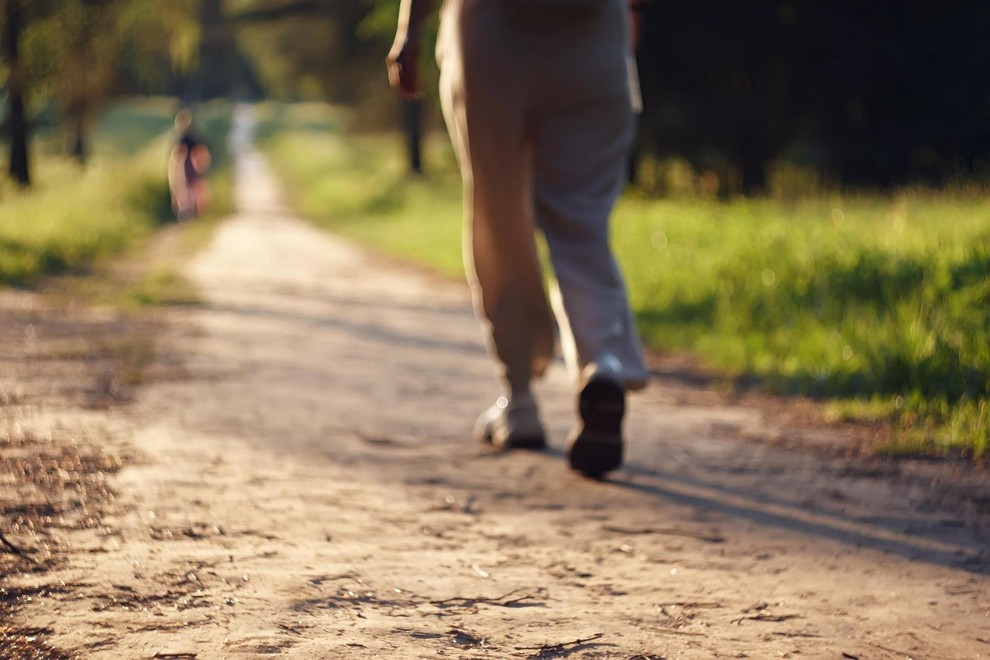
[332, 49]
[877, 93]
[104, 36]
[222, 69]
[74, 54]
[87, 55]
[17, 121]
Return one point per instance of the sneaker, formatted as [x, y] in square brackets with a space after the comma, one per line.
[512, 424]
[596, 441]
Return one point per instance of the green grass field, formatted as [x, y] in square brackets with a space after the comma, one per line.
[75, 216]
[879, 303]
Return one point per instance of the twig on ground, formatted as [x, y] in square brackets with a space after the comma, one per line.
[174, 656]
[692, 603]
[796, 634]
[501, 601]
[560, 646]
[678, 631]
[890, 650]
[667, 531]
[772, 618]
[11, 548]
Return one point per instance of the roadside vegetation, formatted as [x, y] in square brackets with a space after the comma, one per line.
[77, 217]
[879, 303]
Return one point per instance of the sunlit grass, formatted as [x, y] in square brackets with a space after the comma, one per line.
[72, 217]
[881, 302]
[872, 298]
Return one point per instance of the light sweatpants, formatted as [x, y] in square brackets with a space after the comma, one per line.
[537, 104]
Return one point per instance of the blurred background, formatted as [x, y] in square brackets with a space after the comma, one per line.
[759, 97]
[807, 211]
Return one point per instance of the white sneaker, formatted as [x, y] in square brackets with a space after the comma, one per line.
[512, 424]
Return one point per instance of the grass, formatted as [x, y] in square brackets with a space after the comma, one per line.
[878, 303]
[881, 301]
[77, 216]
[73, 217]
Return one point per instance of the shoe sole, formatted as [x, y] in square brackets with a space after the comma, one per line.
[532, 442]
[596, 443]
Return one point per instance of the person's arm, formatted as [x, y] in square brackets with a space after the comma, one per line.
[403, 58]
[635, 21]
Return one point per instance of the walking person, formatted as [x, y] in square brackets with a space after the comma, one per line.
[188, 163]
[537, 100]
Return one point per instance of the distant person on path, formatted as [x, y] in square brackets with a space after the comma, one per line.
[536, 95]
[188, 163]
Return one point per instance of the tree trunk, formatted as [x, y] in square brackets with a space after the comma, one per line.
[412, 118]
[753, 159]
[19, 169]
[79, 142]
[754, 175]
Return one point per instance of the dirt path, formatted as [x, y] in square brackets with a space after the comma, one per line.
[309, 489]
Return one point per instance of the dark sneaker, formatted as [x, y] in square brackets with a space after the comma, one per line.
[511, 425]
[596, 441]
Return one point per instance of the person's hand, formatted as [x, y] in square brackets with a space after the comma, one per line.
[403, 67]
[403, 59]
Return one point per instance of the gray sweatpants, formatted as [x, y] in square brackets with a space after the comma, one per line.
[537, 104]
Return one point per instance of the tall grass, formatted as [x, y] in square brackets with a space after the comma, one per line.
[879, 301]
[76, 214]
[52, 229]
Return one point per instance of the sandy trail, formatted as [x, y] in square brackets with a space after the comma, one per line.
[310, 489]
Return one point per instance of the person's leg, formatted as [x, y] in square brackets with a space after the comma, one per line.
[186, 205]
[580, 170]
[484, 106]
[580, 163]
[202, 191]
[582, 135]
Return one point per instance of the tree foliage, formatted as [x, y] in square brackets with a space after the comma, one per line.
[879, 93]
[313, 48]
[75, 55]
[876, 93]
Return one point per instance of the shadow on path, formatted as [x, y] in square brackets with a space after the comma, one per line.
[911, 539]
